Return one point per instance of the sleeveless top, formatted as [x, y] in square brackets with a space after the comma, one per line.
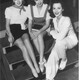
[39, 21]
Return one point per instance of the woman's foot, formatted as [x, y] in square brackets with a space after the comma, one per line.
[37, 69]
[34, 73]
[41, 65]
[62, 64]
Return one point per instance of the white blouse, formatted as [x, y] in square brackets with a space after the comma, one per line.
[42, 12]
[15, 17]
[63, 28]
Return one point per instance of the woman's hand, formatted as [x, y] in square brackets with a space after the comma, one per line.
[36, 33]
[10, 39]
[49, 34]
[54, 33]
[32, 35]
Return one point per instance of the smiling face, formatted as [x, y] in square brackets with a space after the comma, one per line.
[18, 2]
[39, 3]
[57, 9]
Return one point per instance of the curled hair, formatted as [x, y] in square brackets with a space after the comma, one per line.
[51, 6]
[23, 2]
[57, 1]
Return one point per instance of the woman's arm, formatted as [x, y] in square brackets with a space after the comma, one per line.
[42, 29]
[30, 25]
[59, 36]
[8, 18]
[30, 29]
[10, 37]
[45, 26]
[47, 23]
[8, 27]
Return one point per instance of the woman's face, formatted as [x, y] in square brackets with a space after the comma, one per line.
[57, 9]
[39, 2]
[18, 2]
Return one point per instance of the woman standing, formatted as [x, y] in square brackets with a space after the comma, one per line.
[38, 24]
[17, 31]
[65, 38]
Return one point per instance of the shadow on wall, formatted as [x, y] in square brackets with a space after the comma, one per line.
[2, 10]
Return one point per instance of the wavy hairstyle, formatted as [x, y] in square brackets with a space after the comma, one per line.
[51, 6]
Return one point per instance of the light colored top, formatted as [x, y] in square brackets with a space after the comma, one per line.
[15, 17]
[42, 12]
[62, 29]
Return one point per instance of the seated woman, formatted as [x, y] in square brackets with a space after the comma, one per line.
[65, 38]
[17, 31]
[38, 23]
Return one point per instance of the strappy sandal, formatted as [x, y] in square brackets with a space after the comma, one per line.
[41, 64]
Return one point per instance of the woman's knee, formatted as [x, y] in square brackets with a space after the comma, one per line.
[23, 48]
[25, 36]
[20, 44]
[40, 38]
[40, 35]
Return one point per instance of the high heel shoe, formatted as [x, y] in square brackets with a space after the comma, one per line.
[41, 65]
[34, 73]
[37, 69]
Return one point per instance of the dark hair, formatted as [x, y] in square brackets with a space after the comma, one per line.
[58, 1]
[33, 2]
[51, 6]
[23, 2]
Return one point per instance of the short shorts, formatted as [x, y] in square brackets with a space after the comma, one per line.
[16, 31]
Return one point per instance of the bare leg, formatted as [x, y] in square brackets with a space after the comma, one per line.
[26, 56]
[40, 47]
[41, 44]
[31, 52]
[36, 42]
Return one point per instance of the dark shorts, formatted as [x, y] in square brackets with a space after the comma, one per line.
[38, 27]
[16, 31]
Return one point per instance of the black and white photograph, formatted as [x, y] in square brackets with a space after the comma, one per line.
[39, 40]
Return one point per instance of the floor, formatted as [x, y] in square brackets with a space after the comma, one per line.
[71, 73]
